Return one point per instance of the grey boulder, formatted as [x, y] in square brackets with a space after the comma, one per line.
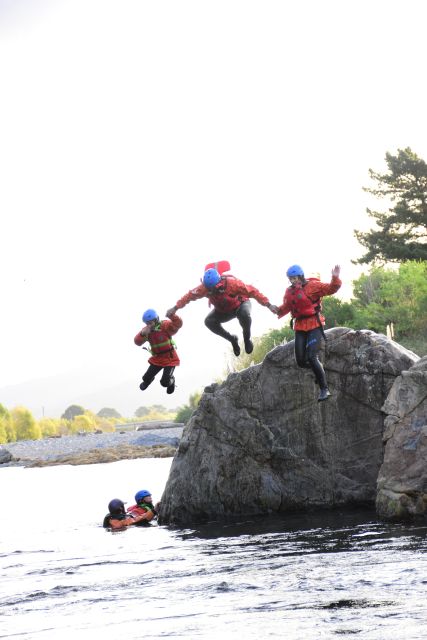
[261, 442]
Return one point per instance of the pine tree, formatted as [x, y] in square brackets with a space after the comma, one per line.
[401, 232]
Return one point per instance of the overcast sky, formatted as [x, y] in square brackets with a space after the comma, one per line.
[141, 140]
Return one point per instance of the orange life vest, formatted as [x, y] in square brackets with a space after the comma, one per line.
[301, 305]
[160, 341]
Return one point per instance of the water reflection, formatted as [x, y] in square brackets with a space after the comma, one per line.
[346, 529]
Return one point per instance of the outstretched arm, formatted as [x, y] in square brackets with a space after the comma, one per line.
[127, 522]
[237, 287]
[325, 288]
[273, 308]
[194, 294]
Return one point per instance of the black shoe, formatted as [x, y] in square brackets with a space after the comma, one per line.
[249, 346]
[235, 344]
[171, 387]
[145, 383]
[324, 394]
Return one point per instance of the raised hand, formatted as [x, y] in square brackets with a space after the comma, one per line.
[170, 312]
[336, 271]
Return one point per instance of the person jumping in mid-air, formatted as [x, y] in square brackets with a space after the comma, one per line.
[303, 301]
[230, 299]
[162, 347]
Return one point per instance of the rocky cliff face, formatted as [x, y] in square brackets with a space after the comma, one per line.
[402, 480]
[260, 442]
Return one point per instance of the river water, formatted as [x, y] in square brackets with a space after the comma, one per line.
[299, 577]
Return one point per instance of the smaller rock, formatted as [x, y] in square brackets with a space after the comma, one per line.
[5, 456]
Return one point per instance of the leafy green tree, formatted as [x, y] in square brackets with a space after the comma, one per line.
[398, 297]
[72, 411]
[184, 413]
[4, 422]
[83, 423]
[48, 427]
[401, 232]
[64, 427]
[10, 431]
[106, 412]
[337, 313]
[25, 425]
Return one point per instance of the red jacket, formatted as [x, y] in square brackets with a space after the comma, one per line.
[314, 289]
[235, 292]
[169, 328]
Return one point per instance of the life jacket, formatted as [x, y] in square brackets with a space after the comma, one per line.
[144, 506]
[221, 300]
[147, 506]
[136, 509]
[160, 341]
[301, 305]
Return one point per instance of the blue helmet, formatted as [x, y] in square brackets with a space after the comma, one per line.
[116, 506]
[211, 278]
[140, 495]
[295, 270]
[149, 315]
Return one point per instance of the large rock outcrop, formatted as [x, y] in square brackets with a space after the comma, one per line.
[402, 480]
[260, 442]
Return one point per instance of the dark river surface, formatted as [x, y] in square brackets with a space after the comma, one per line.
[317, 575]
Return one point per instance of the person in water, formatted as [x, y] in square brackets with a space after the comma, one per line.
[164, 356]
[230, 299]
[143, 504]
[117, 518]
[302, 300]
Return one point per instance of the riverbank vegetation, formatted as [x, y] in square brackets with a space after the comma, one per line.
[19, 423]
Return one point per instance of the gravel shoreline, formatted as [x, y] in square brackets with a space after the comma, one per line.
[53, 448]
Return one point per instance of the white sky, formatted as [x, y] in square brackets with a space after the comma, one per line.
[141, 140]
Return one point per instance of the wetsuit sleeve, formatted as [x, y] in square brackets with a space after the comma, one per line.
[195, 294]
[237, 287]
